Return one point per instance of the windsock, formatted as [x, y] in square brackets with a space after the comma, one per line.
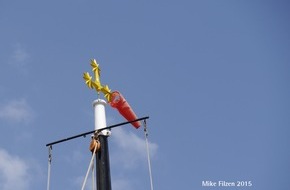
[120, 103]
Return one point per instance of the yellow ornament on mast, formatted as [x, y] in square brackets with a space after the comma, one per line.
[96, 83]
[96, 70]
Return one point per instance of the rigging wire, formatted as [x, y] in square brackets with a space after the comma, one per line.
[148, 154]
[49, 166]
[93, 177]
[90, 165]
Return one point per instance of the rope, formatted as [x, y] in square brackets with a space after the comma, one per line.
[148, 154]
[90, 165]
[49, 166]
[93, 177]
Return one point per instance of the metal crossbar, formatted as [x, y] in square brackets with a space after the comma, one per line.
[95, 131]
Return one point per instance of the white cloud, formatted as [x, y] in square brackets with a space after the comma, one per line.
[14, 172]
[17, 111]
[131, 149]
[129, 153]
[19, 56]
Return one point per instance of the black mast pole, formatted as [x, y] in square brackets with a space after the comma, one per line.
[103, 165]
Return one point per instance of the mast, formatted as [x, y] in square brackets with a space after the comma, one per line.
[99, 144]
[116, 100]
[103, 176]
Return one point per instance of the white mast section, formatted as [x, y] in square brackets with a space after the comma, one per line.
[100, 117]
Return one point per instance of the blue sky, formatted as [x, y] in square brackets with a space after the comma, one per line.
[212, 75]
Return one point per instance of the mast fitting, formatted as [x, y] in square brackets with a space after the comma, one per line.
[95, 143]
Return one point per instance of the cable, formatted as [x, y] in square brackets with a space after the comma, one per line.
[49, 166]
[93, 177]
[148, 154]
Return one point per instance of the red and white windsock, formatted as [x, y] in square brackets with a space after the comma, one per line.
[120, 103]
[115, 99]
